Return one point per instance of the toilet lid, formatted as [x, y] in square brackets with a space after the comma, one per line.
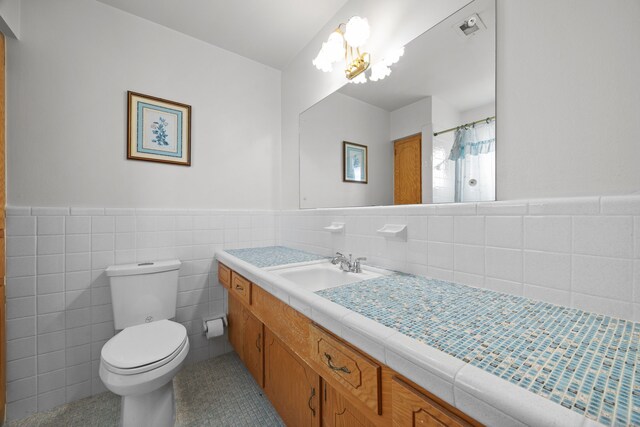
[144, 344]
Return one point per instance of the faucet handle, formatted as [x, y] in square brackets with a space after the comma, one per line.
[336, 259]
[357, 268]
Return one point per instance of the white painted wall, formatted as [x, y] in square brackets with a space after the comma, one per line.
[67, 82]
[323, 127]
[10, 18]
[410, 119]
[478, 113]
[565, 96]
[568, 98]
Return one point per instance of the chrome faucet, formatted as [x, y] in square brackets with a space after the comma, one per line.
[348, 265]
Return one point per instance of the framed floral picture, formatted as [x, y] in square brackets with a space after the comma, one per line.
[158, 130]
[355, 166]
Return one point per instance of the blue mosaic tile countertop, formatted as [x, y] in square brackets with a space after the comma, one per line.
[271, 256]
[583, 361]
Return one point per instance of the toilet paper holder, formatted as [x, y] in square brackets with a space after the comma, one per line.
[225, 323]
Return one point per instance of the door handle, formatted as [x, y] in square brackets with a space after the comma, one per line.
[258, 343]
[313, 393]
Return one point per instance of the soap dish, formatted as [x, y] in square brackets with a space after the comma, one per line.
[395, 231]
[335, 227]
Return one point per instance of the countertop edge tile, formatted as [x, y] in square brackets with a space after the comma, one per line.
[368, 327]
[514, 401]
[426, 378]
[426, 357]
[364, 342]
[481, 411]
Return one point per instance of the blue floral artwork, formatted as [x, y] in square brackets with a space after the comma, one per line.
[159, 129]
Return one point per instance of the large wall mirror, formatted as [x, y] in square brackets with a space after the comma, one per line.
[428, 129]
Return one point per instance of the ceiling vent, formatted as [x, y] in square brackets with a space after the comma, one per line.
[470, 26]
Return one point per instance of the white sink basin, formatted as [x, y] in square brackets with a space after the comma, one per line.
[324, 275]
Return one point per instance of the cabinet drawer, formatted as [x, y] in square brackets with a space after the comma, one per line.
[224, 275]
[412, 408]
[355, 372]
[241, 287]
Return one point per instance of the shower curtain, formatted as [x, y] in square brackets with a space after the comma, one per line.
[474, 155]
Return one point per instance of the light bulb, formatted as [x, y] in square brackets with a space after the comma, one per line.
[321, 61]
[334, 47]
[394, 56]
[357, 31]
[379, 71]
[360, 78]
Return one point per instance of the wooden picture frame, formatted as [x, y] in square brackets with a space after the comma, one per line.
[158, 130]
[355, 163]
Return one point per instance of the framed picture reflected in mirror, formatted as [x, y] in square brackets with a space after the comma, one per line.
[355, 166]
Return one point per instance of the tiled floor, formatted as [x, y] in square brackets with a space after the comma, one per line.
[215, 392]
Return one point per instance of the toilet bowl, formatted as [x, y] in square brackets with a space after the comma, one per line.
[139, 364]
[140, 361]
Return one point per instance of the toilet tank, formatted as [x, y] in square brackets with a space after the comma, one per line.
[142, 293]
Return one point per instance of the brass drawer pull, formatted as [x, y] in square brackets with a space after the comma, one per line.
[313, 393]
[334, 367]
[240, 288]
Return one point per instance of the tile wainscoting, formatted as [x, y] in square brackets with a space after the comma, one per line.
[577, 252]
[580, 252]
[59, 310]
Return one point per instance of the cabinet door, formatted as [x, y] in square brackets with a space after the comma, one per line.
[292, 387]
[412, 408]
[236, 324]
[253, 346]
[339, 412]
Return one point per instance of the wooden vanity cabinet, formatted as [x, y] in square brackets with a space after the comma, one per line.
[290, 384]
[314, 378]
[339, 412]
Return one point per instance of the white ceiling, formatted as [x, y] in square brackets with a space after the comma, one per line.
[458, 70]
[271, 32]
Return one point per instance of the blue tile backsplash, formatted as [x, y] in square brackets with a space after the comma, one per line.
[583, 361]
[272, 256]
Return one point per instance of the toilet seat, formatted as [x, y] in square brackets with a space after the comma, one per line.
[144, 347]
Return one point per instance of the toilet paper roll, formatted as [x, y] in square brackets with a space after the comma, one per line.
[215, 328]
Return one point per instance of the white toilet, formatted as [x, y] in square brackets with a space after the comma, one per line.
[139, 362]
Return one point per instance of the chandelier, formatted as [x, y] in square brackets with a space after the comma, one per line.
[344, 44]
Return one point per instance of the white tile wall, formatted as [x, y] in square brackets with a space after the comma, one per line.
[582, 252]
[59, 310]
[579, 252]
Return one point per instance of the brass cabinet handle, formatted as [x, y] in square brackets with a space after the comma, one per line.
[334, 367]
[313, 393]
[258, 343]
[240, 288]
